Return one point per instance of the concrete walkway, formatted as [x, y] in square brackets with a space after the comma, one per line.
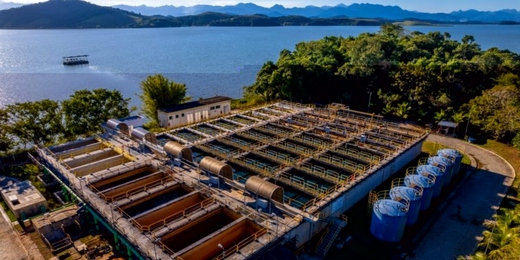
[10, 246]
[479, 195]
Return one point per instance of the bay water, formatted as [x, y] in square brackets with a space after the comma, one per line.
[209, 60]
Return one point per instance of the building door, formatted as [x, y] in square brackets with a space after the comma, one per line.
[205, 114]
[190, 118]
[226, 109]
[197, 116]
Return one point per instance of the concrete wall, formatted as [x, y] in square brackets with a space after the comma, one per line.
[344, 202]
[193, 115]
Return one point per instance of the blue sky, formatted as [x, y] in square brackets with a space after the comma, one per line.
[417, 5]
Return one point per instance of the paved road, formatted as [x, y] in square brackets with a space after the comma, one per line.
[10, 246]
[479, 195]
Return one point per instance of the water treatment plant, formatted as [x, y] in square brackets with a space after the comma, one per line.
[236, 186]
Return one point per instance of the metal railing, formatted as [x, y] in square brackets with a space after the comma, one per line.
[323, 173]
[293, 147]
[256, 166]
[343, 163]
[136, 190]
[279, 157]
[236, 248]
[177, 215]
[119, 150]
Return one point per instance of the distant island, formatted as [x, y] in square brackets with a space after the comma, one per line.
[64, 14]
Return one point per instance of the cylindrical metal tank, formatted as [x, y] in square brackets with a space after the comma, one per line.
[426, 170]
[454, 155]
[388, 220]
[413, 195]
[426, 183]
[445, 165]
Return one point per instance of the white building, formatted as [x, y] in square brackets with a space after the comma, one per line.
[23, 199]
[194, 111]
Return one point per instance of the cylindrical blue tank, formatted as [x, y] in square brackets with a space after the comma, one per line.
[388, 220]
[445, 164]
[427, 185]
[454, 155]
[426, 170]
[413, 195]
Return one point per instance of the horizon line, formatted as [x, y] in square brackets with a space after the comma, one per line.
[265, 6]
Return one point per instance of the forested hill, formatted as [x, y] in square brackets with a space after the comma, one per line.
[81, 14]
[74, 14]
[422, 77]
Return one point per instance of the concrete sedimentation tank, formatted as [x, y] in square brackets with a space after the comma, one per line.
[454, 155]
[413, 195]
[427, 184]
[445, 165]
[426, 170]
[389, 219]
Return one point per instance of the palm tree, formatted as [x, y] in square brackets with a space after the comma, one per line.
[500, 236]
[158, 91]
[403, 109]
[439, 116]
[458, 117]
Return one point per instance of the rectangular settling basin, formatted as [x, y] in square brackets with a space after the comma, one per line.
[198, 229]
[120, 190]
[235, 237]
[169, 212]
[155, 199]
[121, 178]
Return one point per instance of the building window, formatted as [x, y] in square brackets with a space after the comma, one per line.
[218, 106]
[211, 108]
[171, 117]
[182, 114]
[176, 116]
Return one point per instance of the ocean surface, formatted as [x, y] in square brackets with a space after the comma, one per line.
[209, 60]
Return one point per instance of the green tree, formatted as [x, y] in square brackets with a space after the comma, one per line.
[458, 117]
[86, 109]
[35, 122]
[497, 111]
[6, 139]
[516, 141]
[157, 91]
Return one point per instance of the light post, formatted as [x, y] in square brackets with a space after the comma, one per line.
[468, 116]
[223, 250]
[494, 225]
[369, 98]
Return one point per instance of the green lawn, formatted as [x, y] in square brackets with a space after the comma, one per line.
[9, 213]
[431, 149]
[508, 152]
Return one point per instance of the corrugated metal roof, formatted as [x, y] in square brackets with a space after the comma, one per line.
[447, 124]
[192, 104]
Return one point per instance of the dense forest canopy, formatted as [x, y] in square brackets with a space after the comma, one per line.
[423, 77]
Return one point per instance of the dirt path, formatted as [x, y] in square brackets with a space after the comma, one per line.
[479, 196]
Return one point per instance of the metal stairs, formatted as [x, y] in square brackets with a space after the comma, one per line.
[328, 238]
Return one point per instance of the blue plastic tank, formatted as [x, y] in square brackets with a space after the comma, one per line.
[413, 195]
[388, 220]
[446, 166]
[426, 170]
[427, 185]
[454, 155]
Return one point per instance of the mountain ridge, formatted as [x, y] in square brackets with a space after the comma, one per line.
[65, 14]
[355, 10]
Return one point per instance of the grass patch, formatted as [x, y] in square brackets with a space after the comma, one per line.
[9, 213]
[508, 152]
[42, 247]
[432, 147]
